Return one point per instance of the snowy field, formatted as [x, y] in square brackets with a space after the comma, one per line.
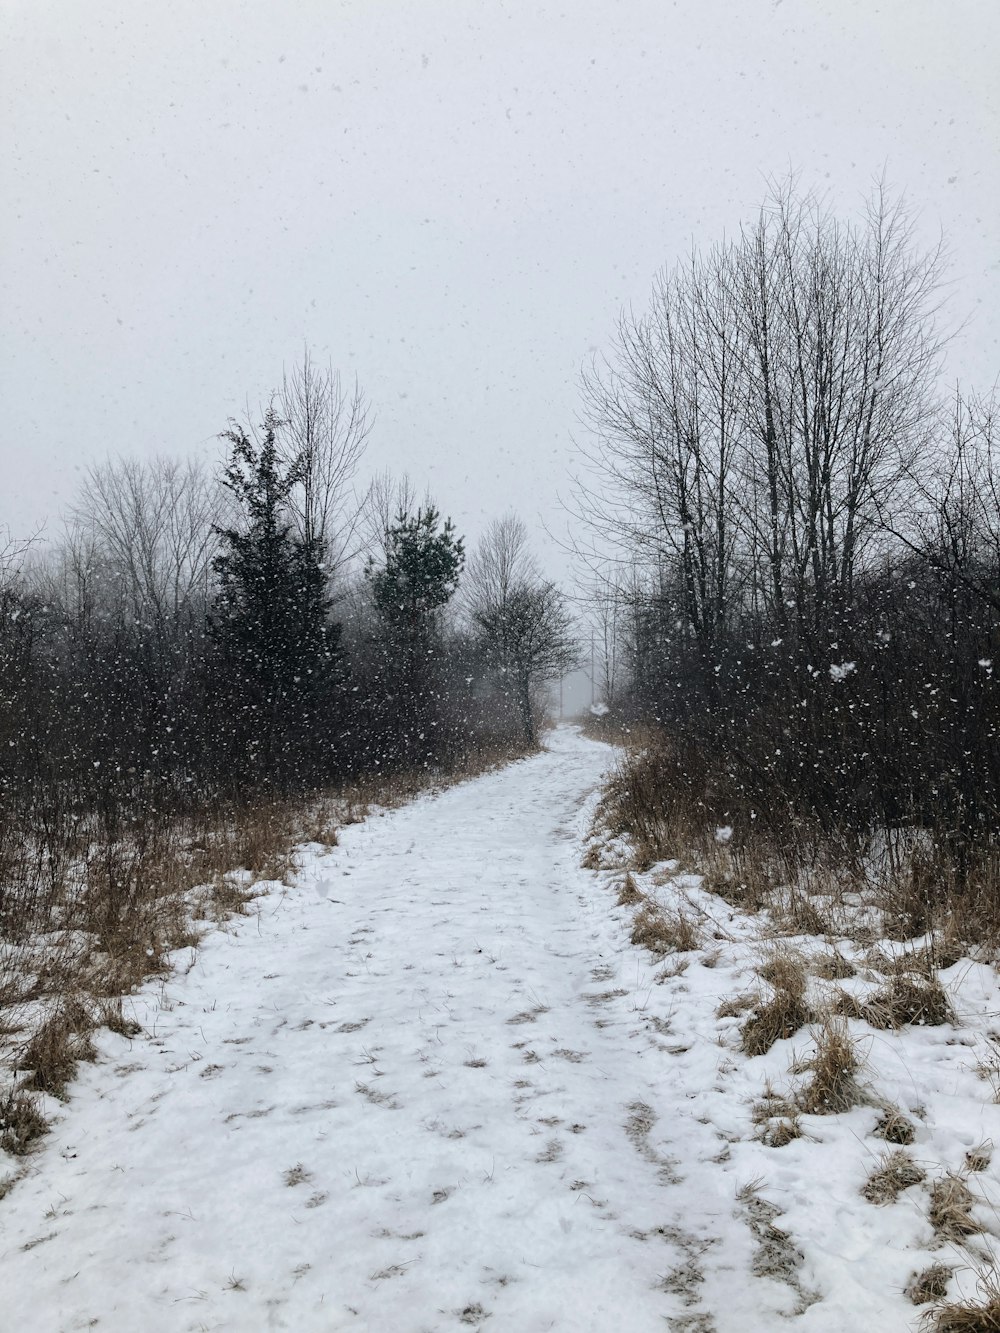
[431, 1085]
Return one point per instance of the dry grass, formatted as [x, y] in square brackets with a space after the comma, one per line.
[909, 898]
[21, 1123]
[736, 1005]
[111, 1015]
[982, 1316]
[802, 914]
[930, 1284]
[908, 999]
[57, 1047]
[833, 966]
[668, 796]
[978, 1159]
[739, 880]
[772, 1104]
[778, 1118]
[664, 932]
[833, 1087]
[785, 970]
[592, 858]
[894, 1127]
[629, 894]
[847, 1005]
[896, 1172]
[781, 1132]
[785, 1013]
[655, 799]
[951, 1210]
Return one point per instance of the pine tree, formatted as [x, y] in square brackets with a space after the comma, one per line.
[421, 571]
[423, 563]
[271, 615]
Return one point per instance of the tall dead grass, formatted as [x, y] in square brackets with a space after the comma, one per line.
[671, 802]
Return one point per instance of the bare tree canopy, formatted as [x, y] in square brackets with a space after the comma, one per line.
[522, 618]
[749, 428]
[153, 521]
[324, 429]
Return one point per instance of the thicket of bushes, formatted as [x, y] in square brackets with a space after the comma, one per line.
[806, 594]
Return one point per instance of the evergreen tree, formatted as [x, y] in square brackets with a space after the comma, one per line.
[421, 571]
[423, 562]
[271, 617]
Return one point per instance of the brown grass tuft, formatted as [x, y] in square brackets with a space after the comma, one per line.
[981, 1316]
[781, 1132]
[894, 1127]
[592, 858]
[803, 914]
[910, 898]
[951, 1209]
[896, 1172]
[663, 932]
[978, 1159]
[778, 1119]
[909, 999]
[847, 1004]
[112, 1016]
[785, 1013]
[744, 884]
[57, 1047]
[833, 1088]
[930, 1284]
[833, 966]
[735, 1005]
[629, 894]
[785, 971]
[21, 1123]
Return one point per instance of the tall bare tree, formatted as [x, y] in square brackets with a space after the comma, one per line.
[324, 430]
[152, 522]
[523, 619]
[748, 429]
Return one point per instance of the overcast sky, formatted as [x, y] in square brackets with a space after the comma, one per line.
[451, 199]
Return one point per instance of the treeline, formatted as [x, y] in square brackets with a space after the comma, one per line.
[207, 636]
[799, 544]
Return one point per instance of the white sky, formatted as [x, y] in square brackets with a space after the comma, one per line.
[452, 199]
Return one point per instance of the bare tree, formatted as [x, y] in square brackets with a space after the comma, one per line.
[324, 431]
[522, 618]
[386, 499]
[666, 417]
[616, 596]
[839, 346]
[955, 525]
[152, 522]
[751, 427]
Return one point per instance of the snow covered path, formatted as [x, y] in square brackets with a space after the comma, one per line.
[403, 1109]
[427, 1088]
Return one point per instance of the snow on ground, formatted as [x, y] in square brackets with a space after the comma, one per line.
[431, 1085]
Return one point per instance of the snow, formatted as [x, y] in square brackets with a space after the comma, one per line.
[430, 1085]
